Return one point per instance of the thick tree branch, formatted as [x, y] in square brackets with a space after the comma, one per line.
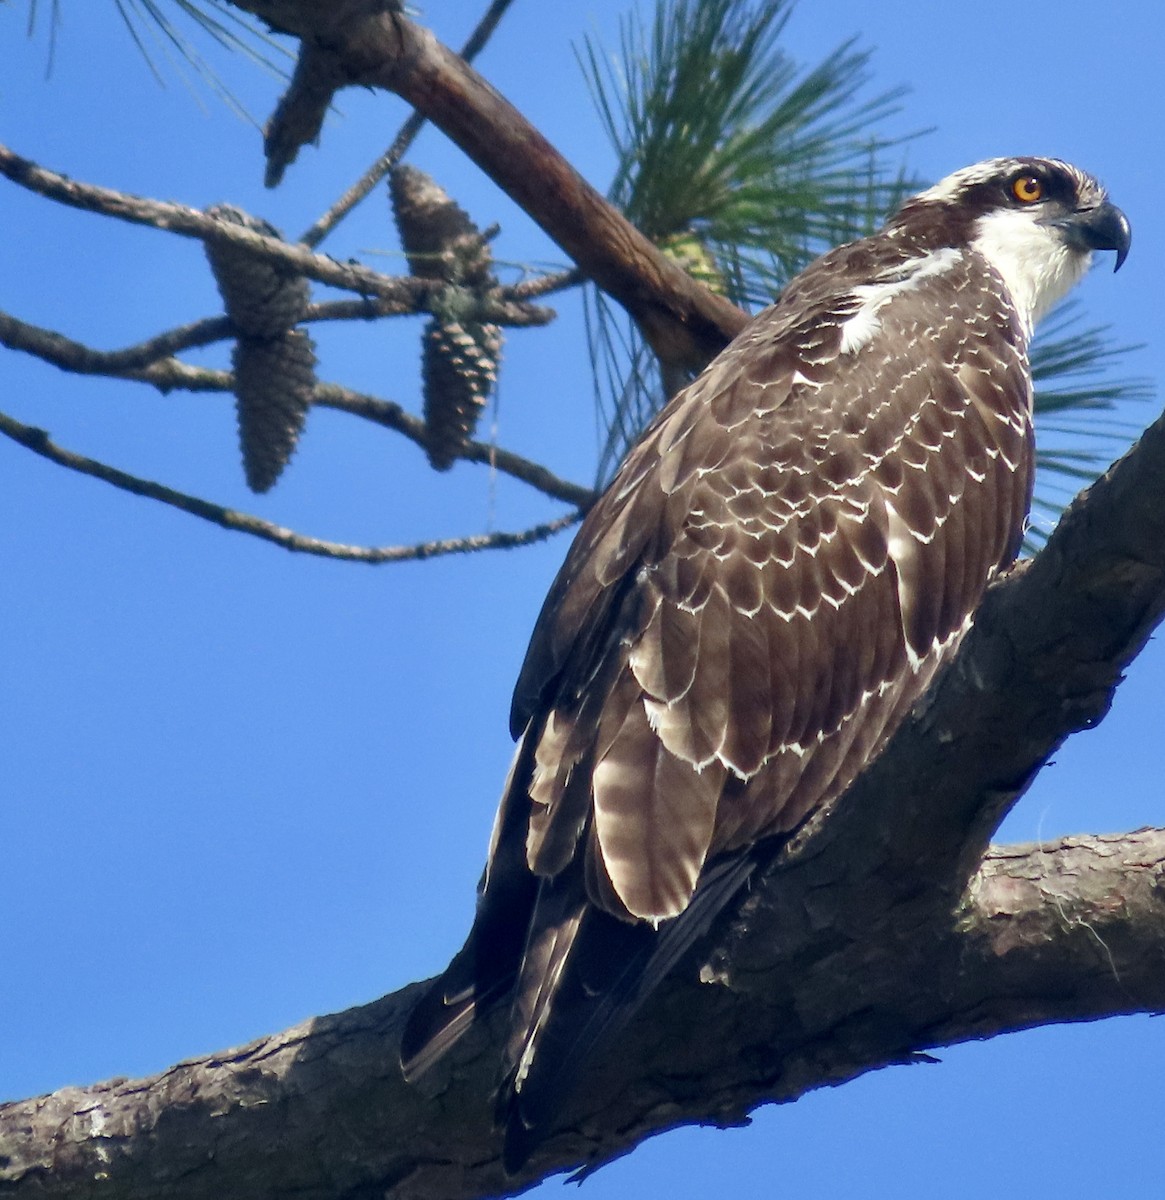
[862, 945]
[1079, 894]
[404, 138]
[1051, 933]
[356, 42]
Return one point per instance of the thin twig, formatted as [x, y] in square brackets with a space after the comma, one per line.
[544, 285]
[203, 332]
[408, 132]
[38, 441]
[392, 416]
[74, 356]
[369, 308]
[147, 362]
[171, 374]
[405, 293]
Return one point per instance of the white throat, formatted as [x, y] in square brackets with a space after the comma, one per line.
[1037, 266]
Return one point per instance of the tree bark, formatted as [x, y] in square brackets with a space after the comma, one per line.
[1063, 932]
[878, 933]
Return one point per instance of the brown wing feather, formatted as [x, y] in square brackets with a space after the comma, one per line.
[828, 534]
[653, 820]
[745, 616]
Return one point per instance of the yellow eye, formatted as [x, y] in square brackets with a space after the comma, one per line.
[1027, 189]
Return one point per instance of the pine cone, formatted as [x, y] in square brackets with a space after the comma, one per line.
[274, 363]
[459, 358]
[274, 380]
[262, 300]
[459, 368]
[691, 252]
[439, 239]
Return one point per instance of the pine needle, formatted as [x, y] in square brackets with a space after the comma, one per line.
[735, 160]
[156, 28]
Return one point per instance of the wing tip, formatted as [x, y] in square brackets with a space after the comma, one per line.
[524, 1127]
[519, 1141]
[435, 1025]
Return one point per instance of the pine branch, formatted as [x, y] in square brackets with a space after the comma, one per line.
[39, 442]
[738, 163]
[152, 26]
[169, 374]
[404, 294]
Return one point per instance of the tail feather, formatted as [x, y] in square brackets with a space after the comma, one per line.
[434, 1027]
[575, 974]
[575, 1008]
[547, 955]
[445, 1013]
[483, 971]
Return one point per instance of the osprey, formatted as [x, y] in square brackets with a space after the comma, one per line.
[793, 548]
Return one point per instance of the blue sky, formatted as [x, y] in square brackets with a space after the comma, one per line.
[240, 787]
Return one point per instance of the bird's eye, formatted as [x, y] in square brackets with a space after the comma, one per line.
[1027, 189]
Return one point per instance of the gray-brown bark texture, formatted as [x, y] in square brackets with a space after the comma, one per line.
[886, 928]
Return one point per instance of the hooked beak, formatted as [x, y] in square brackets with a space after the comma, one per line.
[1104, 227]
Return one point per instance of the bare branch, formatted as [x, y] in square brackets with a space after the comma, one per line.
[170, 374]
[83, 360]
[406, 294]
[369, 308]
[138, 362]
[403, 140]
[392, 416]
[1073, 931]
[38, 441]
[544, 285]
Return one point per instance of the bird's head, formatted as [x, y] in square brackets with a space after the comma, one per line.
[1036, 221]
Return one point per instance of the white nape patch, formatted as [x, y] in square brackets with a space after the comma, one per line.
[860, 329]
[1036, 264]
[863, 326]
